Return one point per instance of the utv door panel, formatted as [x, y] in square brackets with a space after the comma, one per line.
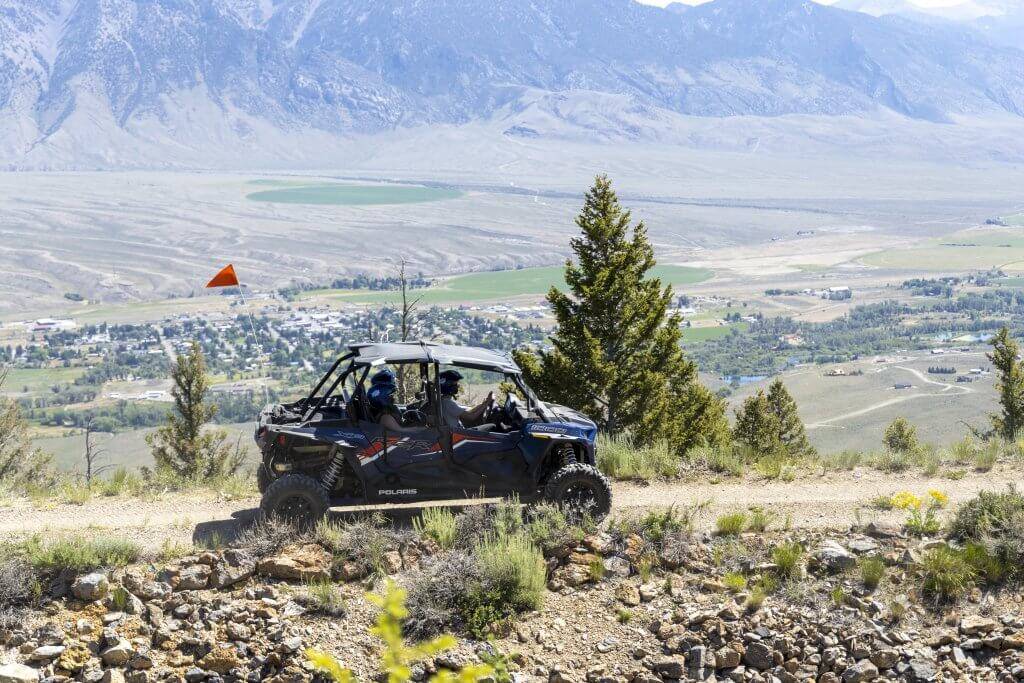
[493, 460]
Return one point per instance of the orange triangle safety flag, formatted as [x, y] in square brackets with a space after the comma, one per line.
[225, 278]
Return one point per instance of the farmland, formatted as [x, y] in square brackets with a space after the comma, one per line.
[498, 286]
[335, 194]
[979, 248]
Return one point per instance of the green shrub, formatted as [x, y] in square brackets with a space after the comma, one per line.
[549, 527]
[788, 558]
[623, 615]
[838, 596]
[722, 459]
[77, 554]
[122, 481]
[595, 570]
[323, 597]
[735, 582]
[987, 565]
[619, 458]
[945, 574]
[731, 524]
[759, 519]
[893, 461]
[872, 571]
[437, 523]
[996, 521]
[845, 460]
[513, 576]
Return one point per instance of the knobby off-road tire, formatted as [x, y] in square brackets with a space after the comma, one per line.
[296, 499]
[580, 488]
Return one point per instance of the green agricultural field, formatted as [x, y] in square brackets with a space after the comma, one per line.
[38, 380]
[350, 195]
[499, 286]
[966, 250]
[695, 335]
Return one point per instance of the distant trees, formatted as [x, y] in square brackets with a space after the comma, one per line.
[1009, 385]
[768, 422]
[185, 446]
[901, 436]
[617, 354]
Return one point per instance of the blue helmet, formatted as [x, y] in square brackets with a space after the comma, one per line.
[448, 382]
[385, 376]
[382, 395]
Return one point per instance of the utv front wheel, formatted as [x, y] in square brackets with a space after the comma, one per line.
[296, 499]
[581, 489]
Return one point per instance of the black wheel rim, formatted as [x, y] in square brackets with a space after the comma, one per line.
[295, 507]
[581, 496]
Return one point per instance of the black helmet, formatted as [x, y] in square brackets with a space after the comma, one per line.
[385, 376]
[382, 395]
[448, 382]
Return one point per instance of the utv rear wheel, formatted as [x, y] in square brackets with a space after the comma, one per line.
[580, 489]
[296, 499]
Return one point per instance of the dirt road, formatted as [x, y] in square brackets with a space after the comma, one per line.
[829, 501]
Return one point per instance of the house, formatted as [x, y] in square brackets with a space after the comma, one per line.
[836, 372]
[837, 293]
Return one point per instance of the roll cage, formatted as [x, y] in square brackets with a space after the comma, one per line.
[362, 358]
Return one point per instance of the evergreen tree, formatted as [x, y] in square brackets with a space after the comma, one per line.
[757, 425]
[1010, 384]
[20, 463]
[901, 436]
[791, 434]
[617, 354]
[185, 446]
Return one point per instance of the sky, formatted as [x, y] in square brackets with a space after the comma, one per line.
[921, 3]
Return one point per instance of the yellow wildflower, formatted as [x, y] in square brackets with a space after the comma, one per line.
[905, 500]
[939, 499]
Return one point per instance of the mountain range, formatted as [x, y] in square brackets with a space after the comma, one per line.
[87, 83]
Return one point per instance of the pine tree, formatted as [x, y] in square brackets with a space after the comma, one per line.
[757, 425]
[617, 354]
[185, 446]
[20, 463]
[1010, 384]
[901, 436]
[791, 434]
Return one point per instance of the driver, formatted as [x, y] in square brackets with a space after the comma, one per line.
[381, 395]
[456, 416]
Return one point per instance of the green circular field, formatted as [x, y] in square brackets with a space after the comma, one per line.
[338, 194]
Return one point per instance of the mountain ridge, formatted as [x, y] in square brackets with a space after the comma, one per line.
[332, 69]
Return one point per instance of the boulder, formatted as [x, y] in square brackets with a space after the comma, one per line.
[727, 658]
[90, 587]
[194, 577]
[18, 673]
[221, 660]
[974, 625]
[307, 562]
[759, 656]
[236, 567]
[670, 667]
[884, 530]
[885, 659]
[117, 654]
[834, 558]
[863, 670]
[628, 594]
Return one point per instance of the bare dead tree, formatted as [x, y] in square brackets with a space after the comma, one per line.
[407, 330]
[93, 456]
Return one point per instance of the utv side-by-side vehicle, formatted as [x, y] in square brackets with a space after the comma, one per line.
[328, 449]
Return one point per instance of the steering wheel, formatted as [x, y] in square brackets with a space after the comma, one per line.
[489, 411]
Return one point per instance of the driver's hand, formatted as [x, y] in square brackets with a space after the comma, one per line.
[490, 397]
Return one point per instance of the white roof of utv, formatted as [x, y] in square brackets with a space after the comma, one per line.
[423, 351]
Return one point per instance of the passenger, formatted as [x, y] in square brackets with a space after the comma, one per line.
[454, 415]
[381, 395]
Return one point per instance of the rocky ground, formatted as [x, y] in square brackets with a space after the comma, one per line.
[613, 612]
